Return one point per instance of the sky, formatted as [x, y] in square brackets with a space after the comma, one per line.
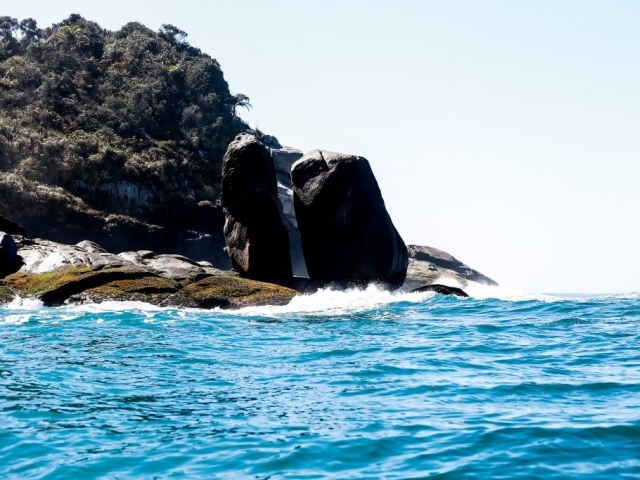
[505, 133]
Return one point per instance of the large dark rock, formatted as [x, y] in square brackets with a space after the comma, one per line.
[257, 240]
[8, 250]
[11, 227]
[347, 234]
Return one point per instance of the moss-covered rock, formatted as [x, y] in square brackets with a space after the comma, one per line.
[154, 290]
[87, 285]
[228, 291]
[53, 288]
[6, 294]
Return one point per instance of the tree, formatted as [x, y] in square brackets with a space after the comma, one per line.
[69, 35]
[173, 34]
[241, 101]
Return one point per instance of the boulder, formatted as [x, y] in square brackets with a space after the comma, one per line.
[256, 238]
[8, 250]
[428, 265]
[347, 234]
[11, 227]
[9, 259]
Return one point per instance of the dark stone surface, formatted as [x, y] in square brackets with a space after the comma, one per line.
[442, 289]
[347, 234]
[10, 261]
[8, 249]
[11, 227]
[257, 240]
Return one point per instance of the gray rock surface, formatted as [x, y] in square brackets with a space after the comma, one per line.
[428, 265]
[283, 159]
[256, 237]
[347, 234]
[176, 267]
[40, 256]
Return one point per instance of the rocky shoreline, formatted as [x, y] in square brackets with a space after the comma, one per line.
[58, 274]
[293, 224]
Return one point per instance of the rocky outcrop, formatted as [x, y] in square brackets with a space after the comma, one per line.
[347, 234]
[42, 256]
[428, 265]
[256, 238]
[60, 274]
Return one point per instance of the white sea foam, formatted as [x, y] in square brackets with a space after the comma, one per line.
[24, 304]
[17, 311]
[115, 306]
[483, 292]
[332, 302]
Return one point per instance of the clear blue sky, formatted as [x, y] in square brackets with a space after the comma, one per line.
[506, 133]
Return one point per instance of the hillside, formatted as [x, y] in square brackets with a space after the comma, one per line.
[95, 122]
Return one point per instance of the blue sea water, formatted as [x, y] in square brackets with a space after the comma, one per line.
[359, 384]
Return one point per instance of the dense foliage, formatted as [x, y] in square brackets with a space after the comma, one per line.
[81, 106]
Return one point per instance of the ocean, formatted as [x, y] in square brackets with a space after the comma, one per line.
[356, 384]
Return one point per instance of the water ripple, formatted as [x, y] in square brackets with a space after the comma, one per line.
[362, 384]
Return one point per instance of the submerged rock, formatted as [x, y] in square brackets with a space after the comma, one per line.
[256, 238]
[347, 234]
[442, 289]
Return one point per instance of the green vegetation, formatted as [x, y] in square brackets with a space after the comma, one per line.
[81, 107]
